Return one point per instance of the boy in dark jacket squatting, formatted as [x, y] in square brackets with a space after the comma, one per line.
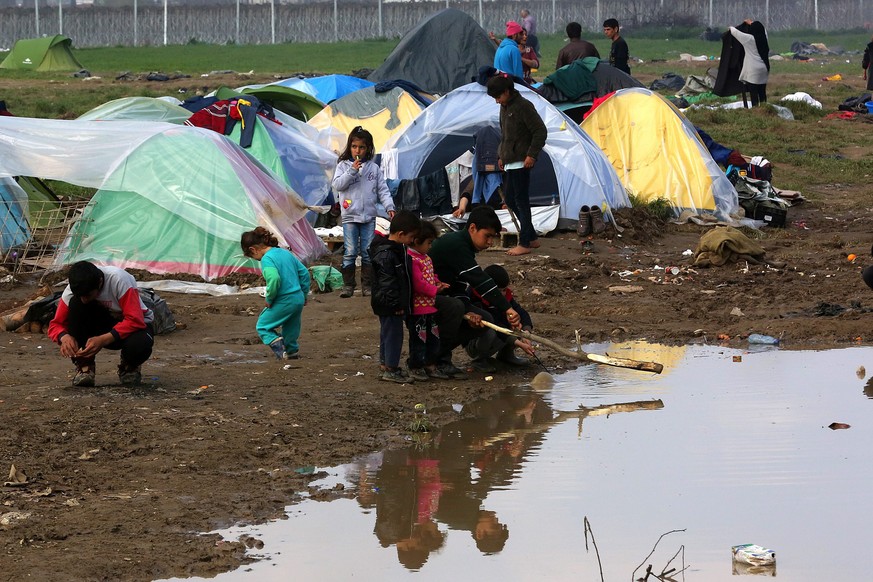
[392, 290]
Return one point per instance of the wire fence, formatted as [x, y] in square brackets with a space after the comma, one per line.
[133, 23]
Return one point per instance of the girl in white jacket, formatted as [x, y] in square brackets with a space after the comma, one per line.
[358, 183]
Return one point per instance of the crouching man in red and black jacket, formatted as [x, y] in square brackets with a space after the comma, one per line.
[101, 308]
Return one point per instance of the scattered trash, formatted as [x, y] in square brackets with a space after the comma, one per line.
[723, 337]
[489, 378]
[625, 289]
[839, 426]
[17, 478]
[851, 258]
[764, 340]
[457, 407]
[687, 253]
[197, 391]
[738, 358]
[753, 554]
[738, 312]
[861, 372]
[13, 516]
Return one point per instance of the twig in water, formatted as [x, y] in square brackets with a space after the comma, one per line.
[587, 528]
[652, 552]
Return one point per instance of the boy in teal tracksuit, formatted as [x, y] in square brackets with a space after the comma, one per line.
[287, 286]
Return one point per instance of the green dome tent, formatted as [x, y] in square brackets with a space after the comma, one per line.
[49, 53]
[170, 199]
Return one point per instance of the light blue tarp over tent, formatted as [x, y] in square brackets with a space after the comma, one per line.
[326, 88]
[14, 230]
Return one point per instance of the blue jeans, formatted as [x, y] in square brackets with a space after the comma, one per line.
[390, 340]
[357, 237]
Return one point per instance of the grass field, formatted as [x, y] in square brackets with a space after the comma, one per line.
[808, 152]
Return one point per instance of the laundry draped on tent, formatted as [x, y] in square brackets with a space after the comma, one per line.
[572, 170]
[170, 199]
[657, 153]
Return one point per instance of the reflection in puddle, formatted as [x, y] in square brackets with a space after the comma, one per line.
[730, 452]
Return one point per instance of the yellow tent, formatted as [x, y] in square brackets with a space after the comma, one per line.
[657, 153]
[382, 114]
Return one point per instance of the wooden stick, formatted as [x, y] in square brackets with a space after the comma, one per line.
[579, 355]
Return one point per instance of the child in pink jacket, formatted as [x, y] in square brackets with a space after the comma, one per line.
[424, 333]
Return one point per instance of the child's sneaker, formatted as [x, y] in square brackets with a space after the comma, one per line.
[396, 376]
[418, 374]
[291, 356]
[278, 347]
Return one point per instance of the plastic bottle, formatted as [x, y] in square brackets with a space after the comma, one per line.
[766, 340]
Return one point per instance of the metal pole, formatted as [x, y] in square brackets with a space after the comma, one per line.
[380, 17]
[597, 18]
[710, 13]
[135, 29]
[335, 22]
[554, 17]
[165, 22]
[36, 15]
[480, 14]
[767, 13]
[272, 21]
[816, 14]
[237, 23]
[60, 17]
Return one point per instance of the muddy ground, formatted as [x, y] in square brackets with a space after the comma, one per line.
[122, 482]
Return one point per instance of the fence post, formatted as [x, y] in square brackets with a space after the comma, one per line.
[480, 14]
[272, 21]
[710, 13]
[165, 22]
[135, 29]
[36, 15]
[335, 22]
[380, 17]
[554, 17]
[60, 17]
[236, 36]
[815, 2]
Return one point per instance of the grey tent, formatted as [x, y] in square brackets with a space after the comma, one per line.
[442, 53]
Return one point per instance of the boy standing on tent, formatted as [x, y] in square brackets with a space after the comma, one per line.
[523, 135]
[101, 308]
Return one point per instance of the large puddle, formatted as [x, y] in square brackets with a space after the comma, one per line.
[735, 452]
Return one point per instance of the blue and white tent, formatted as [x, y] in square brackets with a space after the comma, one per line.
[572, 170]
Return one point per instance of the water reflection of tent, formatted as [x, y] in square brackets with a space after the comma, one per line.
[381, 113]
[171, 199]
[657, 153]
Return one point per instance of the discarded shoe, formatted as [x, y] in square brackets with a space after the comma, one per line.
[397, 376]
[597, 223]
[278, 347]
[418, 374]
[584, 226]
